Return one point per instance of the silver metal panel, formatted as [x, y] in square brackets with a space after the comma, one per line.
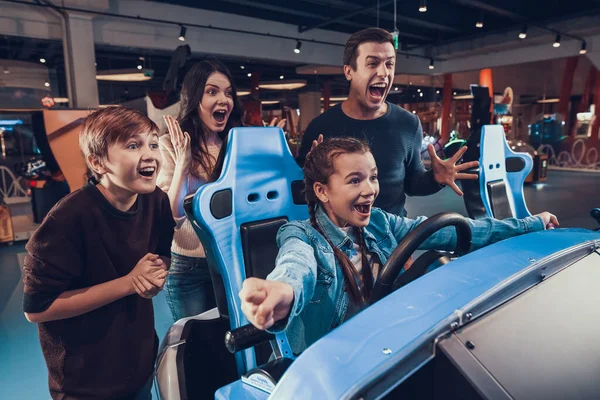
[544, 343]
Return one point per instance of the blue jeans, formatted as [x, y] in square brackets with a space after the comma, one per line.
[188, 288]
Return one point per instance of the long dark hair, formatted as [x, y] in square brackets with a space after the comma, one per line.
[318, 168]
[192, 92]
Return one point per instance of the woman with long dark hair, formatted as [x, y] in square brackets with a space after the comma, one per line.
[193, 154]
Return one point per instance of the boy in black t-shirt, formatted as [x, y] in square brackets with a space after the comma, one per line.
[96, 261]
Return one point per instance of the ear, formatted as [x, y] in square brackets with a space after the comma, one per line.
[96, 164]
[348, 72]
[321, 192]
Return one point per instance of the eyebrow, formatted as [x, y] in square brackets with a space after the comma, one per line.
[213, 85]
[377, 58]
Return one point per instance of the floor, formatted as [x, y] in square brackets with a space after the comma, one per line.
[23, 375]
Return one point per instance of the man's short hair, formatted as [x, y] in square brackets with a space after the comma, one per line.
[108, 126]
[375, 35]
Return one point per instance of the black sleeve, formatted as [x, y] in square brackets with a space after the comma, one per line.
[54, 261]
[166, 228]
[419, 181]
[311, 133]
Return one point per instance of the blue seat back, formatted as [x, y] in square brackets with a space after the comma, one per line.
[260, 181]
[502, 174]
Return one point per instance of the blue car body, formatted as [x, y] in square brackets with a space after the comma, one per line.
[399, 332]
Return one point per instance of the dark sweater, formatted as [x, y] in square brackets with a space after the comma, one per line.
[395, 140]
[107, 353]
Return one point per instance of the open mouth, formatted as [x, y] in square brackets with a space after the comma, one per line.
[219, 116]
[377, 90]
[147, 172]
[363, 208]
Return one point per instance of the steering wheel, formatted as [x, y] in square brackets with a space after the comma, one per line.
[411, 242]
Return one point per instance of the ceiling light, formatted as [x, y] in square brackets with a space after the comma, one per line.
[523, 33]
[431, 66]
[557, 40]
[418, 90]
[552, 100]
[43, 60]
[414, 112]
[243, 92]
[280, 76]
[141, 58]
[249, 74]
[182, 33]
[298, 45]
[583, 49]
[286, 85]
[396, 88]
[61, 100]
[139, 67]
[47, 84]
[479, 24]
[270, 102]
[463, 97]
[437, 92]
[242, 67]
[125, 75]
[423, 6]
[335, 98]
[421, 94]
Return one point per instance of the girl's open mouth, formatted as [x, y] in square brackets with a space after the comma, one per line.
[364, 209]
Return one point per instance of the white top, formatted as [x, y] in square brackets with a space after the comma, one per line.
[185, 240]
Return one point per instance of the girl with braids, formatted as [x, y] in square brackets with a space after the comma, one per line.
[327, 265]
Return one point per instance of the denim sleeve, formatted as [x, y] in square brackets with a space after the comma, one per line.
[483, 231]
[295, 265]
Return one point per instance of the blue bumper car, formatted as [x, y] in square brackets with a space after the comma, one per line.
[514, 320]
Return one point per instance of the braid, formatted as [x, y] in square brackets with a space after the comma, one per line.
[351, 276]
[367, 273]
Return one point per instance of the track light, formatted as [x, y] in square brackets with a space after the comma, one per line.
[523, 33]
[431, 66]
[583, 49]
[298, 45]
[423, 6]
[43, 60]
[479, 23]
[557, 40]
[182, 33]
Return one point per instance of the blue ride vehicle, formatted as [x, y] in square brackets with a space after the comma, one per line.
[515, 320]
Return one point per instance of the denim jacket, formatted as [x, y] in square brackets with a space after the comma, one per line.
[306, 262]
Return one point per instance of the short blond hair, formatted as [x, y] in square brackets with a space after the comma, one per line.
[108, 126]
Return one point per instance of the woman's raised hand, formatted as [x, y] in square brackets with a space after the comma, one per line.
[181, 142]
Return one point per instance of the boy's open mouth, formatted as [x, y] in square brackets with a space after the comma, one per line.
[377, 90]
[147, 172]
[364, 208]
[219, 116]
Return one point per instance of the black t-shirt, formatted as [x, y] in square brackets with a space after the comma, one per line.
[84, 241]
[395, 139]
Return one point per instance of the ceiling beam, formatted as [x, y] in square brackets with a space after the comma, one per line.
[342, 17]
[372, 11]
[480, 5]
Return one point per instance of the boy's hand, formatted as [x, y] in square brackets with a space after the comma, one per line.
[148, 288]
[265, 302]
[550, 220]
[149, 270]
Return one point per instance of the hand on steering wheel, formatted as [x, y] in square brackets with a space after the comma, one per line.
[411, 242]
